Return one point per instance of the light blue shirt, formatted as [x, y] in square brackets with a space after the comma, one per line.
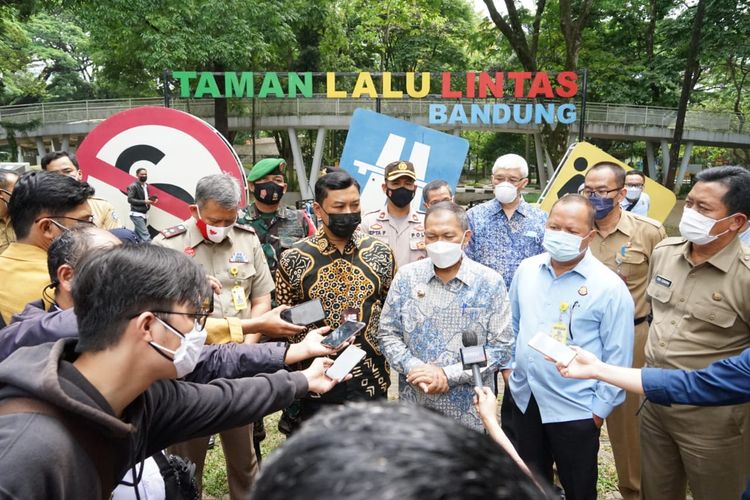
[423, 320]
[641, 207]
[745, 237]
[502, 244]
[600, 312]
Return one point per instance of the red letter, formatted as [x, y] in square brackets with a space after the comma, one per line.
[568, 86]
[541, 85]
[519, 78]
[486, 82]
[470, 84]
[447, 93]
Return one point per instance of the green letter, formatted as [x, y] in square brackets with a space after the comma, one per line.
[207, 84]
[296, 84]
[272, 85]
[241, 88]
[184, 78]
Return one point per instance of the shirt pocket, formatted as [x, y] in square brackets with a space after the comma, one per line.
[711, 333]
[244, 273]
[660, 297]
[715, 315]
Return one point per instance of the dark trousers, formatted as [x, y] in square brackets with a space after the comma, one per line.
[507, 407]
[572, 446]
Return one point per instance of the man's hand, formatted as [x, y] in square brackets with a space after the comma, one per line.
[599, 421]
[584, 365]
[312, 347]
[215, 283]
[485, 402]
[430, 378]
[317, 380]
[148, 202]
[273, 326]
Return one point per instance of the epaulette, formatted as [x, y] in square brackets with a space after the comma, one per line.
[643, 218]
[244, 227]
[671, 241]
[173, 231]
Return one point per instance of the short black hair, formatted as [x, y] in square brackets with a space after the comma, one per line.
[56, 155]
[139, 170]
[333, 181]
[636, 172]
[449, 206]
[736, 179]
[39, 192]
[106, 295]
[571, 198]
[615, 169]
[434, 186]
[70, 247]
[390, 450]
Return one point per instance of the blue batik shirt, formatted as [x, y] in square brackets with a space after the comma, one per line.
[423, 320]
[502, 244]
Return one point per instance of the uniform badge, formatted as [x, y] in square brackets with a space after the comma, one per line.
[381, 215]
[239, 258]
[376, 226]
[420, 245]
[189, 251]
[583, 291]
[420, 227]
[415, 218]
[661, 280]
[420, 292]
[716, 296]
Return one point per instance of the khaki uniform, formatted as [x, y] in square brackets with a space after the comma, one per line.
[7, 235]
[627, 251]
[23, 276]
[406, 238]
[701, 315]
[236, 261]
[105, 216]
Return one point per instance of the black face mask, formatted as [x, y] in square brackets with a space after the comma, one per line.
[143, 178]
[401, 196]
[343, 225]
[269, 193]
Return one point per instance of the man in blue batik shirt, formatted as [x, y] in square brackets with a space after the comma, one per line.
[431, 303]
[568, 294]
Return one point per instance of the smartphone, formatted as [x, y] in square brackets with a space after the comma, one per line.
[345, 363]
[343, 333]
[552, 348]
[304, 314]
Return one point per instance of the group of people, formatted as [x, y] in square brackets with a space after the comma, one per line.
[114, 370]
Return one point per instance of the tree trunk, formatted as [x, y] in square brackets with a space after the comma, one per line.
[691, 69]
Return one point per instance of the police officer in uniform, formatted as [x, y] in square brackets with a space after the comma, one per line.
[397, 224]
[232, 253]
[277, 227]
[700, 294]
[624, 243]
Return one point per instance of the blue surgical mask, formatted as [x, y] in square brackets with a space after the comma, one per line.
[602, 205]
[562, 246]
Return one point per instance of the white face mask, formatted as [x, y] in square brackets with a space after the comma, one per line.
[633, 193]
[695, 227]
[505, 192]
[186, 356]
[217, 234]
[562, 246]
[444, 254]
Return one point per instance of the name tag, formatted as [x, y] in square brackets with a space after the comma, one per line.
[661, 280]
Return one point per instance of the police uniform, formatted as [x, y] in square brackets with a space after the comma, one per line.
[239, 264]
[23, 277]
[7, 235]
[405, 238]
[701, 315]
[627, 251]
[104, 213]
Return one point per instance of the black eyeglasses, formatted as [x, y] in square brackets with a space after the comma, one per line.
[602, 192]
[85, 220]
[199, 318]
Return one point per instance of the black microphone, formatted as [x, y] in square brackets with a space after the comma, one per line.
[473, 356]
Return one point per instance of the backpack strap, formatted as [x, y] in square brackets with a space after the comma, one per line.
[98, 452]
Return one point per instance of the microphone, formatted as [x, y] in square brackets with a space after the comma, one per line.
[473, 356]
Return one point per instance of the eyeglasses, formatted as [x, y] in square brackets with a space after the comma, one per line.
[199, 318]
[499, 179]
[634, 185]
[601, 192]
[89, 220]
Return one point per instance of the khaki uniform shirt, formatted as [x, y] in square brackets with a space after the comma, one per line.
[701, 313]
[627, 251]
[23, 276]
[105, 216]
[405, 239]
[236, 261]
[7, 235]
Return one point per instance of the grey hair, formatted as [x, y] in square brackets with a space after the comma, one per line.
[434, 186]
[449, 206]
[223, 189]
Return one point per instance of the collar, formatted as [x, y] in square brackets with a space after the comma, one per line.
[584, 267]
[464, 274]
[328, 248]
[25, 253]
[721, 261]
[195, 237]
[522, 207]
[625, 225]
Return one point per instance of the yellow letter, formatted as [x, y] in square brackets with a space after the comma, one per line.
[425, 85]
[364, 85]
[331, 91]
[387, 92]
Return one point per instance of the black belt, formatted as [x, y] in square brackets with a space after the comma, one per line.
[640, 320]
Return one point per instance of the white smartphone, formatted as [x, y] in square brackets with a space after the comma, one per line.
[552, 348]
[345, 362]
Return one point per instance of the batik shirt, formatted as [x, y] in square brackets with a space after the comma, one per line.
[502, 244]
[424, 320]
[359, 278]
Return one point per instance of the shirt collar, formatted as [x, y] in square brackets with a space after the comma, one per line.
[625, 224]
[722, 260]
[327, 247]
[584, 267]
[195, 237]
[25, 252]
[464, 274]
[522, 207]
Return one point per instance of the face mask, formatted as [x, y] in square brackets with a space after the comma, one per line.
[603, 206]
[217, 234]
[343, 225]
[444, 254]
[143, 178]
[401, 196]
[505, 192]
[562, 246]
[695, 227]
[269, 193]
[186, 356]
[633, 193]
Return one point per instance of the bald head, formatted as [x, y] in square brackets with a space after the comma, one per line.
[575, 207]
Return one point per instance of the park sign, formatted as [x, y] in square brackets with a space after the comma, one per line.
[525, 89]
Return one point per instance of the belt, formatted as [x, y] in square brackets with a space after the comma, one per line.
[640, 320]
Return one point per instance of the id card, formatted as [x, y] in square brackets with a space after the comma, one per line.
[239, 301]
[559, 332]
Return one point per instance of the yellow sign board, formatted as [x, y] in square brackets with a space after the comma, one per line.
[580, 157]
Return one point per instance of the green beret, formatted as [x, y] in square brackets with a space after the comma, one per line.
[267, 166]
